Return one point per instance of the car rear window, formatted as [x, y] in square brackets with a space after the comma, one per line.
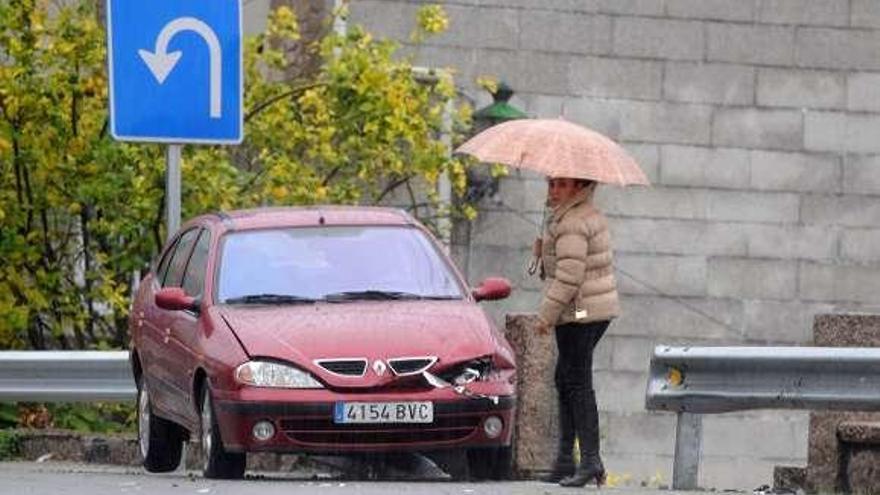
[314, 262]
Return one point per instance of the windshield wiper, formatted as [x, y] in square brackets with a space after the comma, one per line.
[270, 299]
[372, 295]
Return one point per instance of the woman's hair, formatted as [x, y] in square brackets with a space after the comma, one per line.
[580, 183]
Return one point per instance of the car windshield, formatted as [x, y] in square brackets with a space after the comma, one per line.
[303, 265]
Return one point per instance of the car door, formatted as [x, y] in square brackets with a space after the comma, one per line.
[150, 329]
[167, 393]
[186, 326]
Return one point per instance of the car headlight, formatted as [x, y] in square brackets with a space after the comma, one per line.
[269, 374]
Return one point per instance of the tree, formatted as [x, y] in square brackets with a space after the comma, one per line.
[81, 213]
[302, 54]
[72, 203]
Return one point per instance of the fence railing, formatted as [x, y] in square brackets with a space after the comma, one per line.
[702, 380]
[66, 376]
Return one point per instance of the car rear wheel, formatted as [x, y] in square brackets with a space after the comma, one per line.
[217, 462]
[490, 463]
[160, 441]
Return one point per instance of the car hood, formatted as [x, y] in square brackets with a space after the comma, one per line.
[452, 331]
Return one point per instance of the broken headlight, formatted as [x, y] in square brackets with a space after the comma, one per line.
[468, 372]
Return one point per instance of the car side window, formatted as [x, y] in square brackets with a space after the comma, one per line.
[162, 268]
[194, 278]
[178, 260]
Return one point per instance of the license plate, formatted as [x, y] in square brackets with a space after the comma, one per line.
[383, 412]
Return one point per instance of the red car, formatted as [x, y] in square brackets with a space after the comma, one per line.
[317, 330]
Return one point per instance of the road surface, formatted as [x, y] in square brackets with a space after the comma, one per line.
[26, 478]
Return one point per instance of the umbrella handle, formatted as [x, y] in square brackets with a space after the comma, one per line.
[536, 256]
[533, 265]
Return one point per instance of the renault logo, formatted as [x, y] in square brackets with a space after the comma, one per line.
[379, 367]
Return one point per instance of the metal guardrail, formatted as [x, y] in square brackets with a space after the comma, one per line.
[687, 380]
[704, 380]
[66, 376]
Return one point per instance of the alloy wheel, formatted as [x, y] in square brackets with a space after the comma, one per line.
[207, 429]
[143, 421]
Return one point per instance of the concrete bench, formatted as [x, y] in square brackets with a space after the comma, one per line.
[859, 451]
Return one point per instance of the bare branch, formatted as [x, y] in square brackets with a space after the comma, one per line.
[391, 187]
[275, 99]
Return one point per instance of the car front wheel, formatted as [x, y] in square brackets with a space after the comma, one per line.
[217, 462]
[160, 441]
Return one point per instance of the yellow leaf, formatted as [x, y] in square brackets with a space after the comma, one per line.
[489, 83]
[279, 193]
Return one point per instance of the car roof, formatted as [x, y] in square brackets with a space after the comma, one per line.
[304, 216]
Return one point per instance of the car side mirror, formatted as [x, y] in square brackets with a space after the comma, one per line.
[175, 299]
[492, 289]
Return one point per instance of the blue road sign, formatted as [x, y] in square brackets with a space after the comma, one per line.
[175, 70]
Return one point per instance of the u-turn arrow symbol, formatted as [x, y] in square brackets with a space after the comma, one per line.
[161, 63]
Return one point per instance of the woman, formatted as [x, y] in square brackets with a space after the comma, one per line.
[579, 300]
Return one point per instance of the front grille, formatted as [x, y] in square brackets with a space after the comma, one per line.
[322, 430]
[345, 367]
[411, 366]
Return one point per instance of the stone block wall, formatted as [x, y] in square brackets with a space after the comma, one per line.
[758, 121]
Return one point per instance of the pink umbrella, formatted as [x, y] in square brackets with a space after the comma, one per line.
[556, 148]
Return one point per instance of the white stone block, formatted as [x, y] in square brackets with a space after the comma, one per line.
[779, 171]
[700, 82]
[755, 128]
[792, 241]
[832, 282]
[800, 88]
[649, 236]
[672, 275]
[705, 167]
[658, 38]
[804, 12]
[850, 211]
[746, 278]
[751, 44]
[861, 174]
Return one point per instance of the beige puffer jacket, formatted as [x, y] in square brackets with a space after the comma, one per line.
[576, 256]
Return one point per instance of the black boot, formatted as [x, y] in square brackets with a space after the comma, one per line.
[586, 423]
[589, 469]
[564, 464]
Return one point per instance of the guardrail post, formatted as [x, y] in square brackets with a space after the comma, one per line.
[688, 447]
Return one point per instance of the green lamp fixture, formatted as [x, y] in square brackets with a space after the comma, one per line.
[500, 110]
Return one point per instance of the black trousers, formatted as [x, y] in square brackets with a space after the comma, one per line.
[575, 342]
[578, 413]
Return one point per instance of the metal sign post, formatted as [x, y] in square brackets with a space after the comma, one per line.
[172, 188]
[688, 448]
